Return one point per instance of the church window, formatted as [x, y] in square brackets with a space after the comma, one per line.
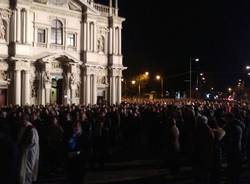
[41, 35]
[57, 32]
[71, 40]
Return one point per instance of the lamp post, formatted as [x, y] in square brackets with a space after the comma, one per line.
[158, 77]
[190, 75]
[140, 78]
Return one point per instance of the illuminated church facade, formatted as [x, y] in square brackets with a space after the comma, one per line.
[60, 51]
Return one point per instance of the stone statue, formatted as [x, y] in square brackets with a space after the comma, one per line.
[3, 75]
[33, 91]
[100, 44]
[2, 30]
[104, 81]
[77, 92]
[47, 77]
[72, 79]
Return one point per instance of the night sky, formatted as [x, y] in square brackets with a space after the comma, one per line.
[160, 38]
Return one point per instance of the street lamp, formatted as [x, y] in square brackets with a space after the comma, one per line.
[190, 75]
[142, 77]
[158, 77]
[133, 82]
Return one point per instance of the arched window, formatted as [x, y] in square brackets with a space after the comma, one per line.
[57, 32]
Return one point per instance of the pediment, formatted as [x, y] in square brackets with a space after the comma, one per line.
[75, 5]
[61, 57]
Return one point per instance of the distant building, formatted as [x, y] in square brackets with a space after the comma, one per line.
[60, 51]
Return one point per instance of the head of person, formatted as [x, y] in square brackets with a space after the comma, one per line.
[25, 119]
[77, 128]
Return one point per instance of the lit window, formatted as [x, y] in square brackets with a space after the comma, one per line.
[57, 32]
[71, 40]
[41, 35]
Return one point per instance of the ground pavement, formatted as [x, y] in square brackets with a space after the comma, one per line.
[136, 172]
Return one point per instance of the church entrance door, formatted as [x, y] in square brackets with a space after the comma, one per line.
[57, 91]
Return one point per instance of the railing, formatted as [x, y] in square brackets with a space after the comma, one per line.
[104, 9]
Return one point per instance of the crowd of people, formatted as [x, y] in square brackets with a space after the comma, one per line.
[74, 138]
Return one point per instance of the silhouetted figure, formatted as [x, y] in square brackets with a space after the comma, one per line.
[76, 155]
[234, 132]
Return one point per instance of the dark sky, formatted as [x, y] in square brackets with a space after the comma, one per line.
[160, 38]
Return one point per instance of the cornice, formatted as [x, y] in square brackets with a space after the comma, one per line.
[62, 11]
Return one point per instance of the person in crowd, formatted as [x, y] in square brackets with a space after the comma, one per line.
[29, 147]
[219, 134]
[55, 145]
[203, 155]
[172, 146]
[233, 142]
[76, 155]
[198, 134]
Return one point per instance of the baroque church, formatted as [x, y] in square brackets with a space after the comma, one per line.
[60, 52]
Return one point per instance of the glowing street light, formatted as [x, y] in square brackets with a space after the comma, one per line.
[133, 82]
[229, 90]
[158, 77]
[147, 73]
[248, 67]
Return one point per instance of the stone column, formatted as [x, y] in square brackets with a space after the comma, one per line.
[14, 31]
[94, 86]
[47, 37]
[27, 28]
[23, 25]
[114, 41]
[73, 92]
[92, 37]
[94, 40]
[85, 36]
[113, 90]
[27, 87]
[68, 90]
[17, 84]
[87, 90]
[120, 41]
[88, 36]
[47, 94]
[110, 40]
[18, 25]
[119, 90]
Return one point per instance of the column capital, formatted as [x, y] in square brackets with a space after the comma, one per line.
[21, 65]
